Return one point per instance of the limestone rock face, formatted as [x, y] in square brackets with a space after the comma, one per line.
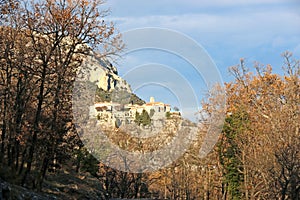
[105, 74]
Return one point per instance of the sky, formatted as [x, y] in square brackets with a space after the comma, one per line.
[227, 30]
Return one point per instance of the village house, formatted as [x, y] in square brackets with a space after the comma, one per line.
[111, 113]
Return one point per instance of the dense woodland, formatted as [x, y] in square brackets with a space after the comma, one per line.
[42, 45]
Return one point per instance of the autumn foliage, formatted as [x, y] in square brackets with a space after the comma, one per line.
[42, 45]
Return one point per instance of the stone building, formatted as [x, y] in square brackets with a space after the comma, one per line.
[117, 114]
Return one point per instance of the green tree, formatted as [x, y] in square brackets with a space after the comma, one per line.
[152, 111]
[168, 115]
[229, 154]
[146, 120]
[143, 118]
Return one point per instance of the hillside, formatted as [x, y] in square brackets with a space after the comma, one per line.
[61, 185]
[106, 96]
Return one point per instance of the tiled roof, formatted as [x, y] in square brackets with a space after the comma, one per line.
[156, 103]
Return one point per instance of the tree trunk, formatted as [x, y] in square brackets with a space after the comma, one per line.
[35, 131]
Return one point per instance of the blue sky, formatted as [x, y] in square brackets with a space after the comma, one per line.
[257, 30]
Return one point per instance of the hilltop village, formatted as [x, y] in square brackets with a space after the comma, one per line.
[116, 114]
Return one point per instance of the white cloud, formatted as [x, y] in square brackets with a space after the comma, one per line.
[255, 27]
[284, 21]
[192, 3]
[216, 22]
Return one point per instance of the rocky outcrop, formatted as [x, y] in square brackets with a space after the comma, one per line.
[106, 75]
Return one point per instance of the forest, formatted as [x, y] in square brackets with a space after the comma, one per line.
[42, 45]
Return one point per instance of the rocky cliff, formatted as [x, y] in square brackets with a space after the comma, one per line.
[110, 86]
[106, 74]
